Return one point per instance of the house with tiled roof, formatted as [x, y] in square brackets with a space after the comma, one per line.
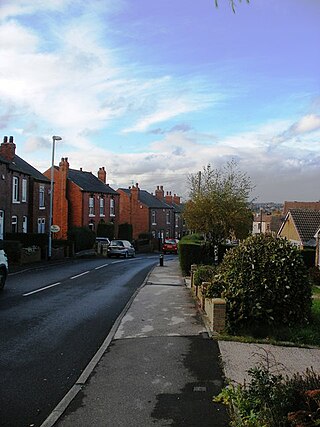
[288, 206]
[81, 199]
[147, 212]
[24, 194]
[300, 227]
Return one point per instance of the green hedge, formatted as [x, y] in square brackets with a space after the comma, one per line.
[83, 238]
[192, 253]
[31, 239]
[125, 231]
[106, 229]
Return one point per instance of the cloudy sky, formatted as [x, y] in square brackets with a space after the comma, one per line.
[156, 89]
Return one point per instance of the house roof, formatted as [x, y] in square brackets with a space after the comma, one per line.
[148, 199]
[88, 182]
[307, 223]
[288, 206]
[20, 165]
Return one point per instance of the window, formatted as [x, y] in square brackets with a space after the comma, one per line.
[91, 206]
[168, 217]
[177, 221]
[24, 224]
[41, 225]
[101, 206]
[15, 189]
[14, 224]
[91, 225]
[153, 218]
[24, 191]
[41, 196]
[112, 207]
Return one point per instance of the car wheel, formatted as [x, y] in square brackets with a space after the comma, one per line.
[3, 276]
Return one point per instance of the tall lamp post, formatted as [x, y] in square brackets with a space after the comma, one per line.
[54, 139]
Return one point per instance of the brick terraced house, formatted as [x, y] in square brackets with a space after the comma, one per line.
[81, 199]
[24, 194]
[150, 213]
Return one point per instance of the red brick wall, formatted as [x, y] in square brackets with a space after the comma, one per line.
[76, 204]
[133, 212]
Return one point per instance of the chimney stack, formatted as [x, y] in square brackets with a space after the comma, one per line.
[159, 193]
[102, 174]
[176, 199]
[168, 198]
[8, 149]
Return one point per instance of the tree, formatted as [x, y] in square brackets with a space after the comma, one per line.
[232, 2]
[218, 205]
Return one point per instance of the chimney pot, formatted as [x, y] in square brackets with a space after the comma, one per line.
[5, 139]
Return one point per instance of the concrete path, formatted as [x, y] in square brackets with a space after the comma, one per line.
[161, 368]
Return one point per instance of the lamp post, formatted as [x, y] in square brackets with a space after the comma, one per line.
[54, 139]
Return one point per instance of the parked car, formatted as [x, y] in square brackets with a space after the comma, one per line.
[103, 240]
[170, 246]
[3, 267]
[120, 248]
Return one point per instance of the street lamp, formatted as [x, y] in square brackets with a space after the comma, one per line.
[54, 139]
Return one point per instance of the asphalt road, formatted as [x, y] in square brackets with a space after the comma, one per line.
[52, 321]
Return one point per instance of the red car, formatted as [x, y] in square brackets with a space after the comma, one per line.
[170, 246]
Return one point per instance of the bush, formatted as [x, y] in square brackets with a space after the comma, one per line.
[106, 229]
[266, 285]
[204, 273]
[125, 231]
[216, 287]
[271, 400]
[83, 238]
[314, 273]
[191, 253]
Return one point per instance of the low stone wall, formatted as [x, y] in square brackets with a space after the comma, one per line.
[215, 308]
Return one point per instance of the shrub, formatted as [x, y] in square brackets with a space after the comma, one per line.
[125, 231]
[314, 273]
[83, 238]
[216, 287]
[271, 400]
[191, 253]
[204, 273]
[106, 229]
[266, 285]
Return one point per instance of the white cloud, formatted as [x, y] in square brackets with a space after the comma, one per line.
[307, 124]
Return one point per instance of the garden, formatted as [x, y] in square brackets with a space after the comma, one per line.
[271, 297]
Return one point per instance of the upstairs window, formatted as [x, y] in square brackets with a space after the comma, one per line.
[15, 189]
[24, 191]
[41, 196]
[168, 217]
[91, 206]
[153, 218]
[177, 221]
[112, 207]
[24, 224]
[101, 206]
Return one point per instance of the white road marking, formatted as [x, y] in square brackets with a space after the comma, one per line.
[41, 289]
[101, 266]
[79, 275]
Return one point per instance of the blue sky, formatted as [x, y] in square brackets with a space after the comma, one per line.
[155, 90]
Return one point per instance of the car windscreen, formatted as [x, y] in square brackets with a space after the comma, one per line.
[116, 243]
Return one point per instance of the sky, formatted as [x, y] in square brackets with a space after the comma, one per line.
[155, 90]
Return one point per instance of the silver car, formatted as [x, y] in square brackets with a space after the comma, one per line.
[120, 248]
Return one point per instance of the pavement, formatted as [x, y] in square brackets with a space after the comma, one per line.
[160, 366]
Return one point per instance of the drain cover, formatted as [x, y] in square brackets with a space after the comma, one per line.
[199, 388]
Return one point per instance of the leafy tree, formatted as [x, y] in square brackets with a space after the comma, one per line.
[232, 2]
[219, 205]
